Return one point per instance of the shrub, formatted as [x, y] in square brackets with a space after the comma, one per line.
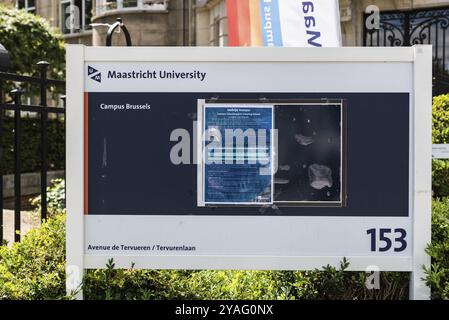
[440, 178]
[236, 284]
[440, 119]
[440, 134]
[338, 284]
[438, 275]
[30, 39]
[132, 284]
[31, 145]
[35, 267]
[329, 283]
[55, 197]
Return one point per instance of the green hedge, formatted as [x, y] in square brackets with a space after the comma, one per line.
[35, 267]
[438, 274]
[29, 39]
[329, 283]
[440, 134]
[31, 145]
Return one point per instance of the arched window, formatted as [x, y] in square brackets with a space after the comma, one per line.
[27, 5]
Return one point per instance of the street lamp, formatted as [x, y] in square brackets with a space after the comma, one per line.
[5, 63]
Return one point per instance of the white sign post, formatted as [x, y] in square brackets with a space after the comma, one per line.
[107, 218]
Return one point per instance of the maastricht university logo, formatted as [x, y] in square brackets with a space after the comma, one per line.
[94, 74]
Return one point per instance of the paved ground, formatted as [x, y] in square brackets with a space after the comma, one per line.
[29, 220]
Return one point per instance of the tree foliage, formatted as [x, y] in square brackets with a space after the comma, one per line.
[30, 39]
[440, 134]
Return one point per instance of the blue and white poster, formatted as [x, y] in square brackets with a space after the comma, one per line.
[237, 154]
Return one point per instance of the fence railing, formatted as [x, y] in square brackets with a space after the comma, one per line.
[16, 106]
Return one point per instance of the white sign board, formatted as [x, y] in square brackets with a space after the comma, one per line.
[345, 134]
[440, 151]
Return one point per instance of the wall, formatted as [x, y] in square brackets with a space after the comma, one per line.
[206, 16]
[30, 182]
[8, 3]
[49, 9]
[147, 28]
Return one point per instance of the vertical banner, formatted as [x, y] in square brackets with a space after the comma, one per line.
[286, 23]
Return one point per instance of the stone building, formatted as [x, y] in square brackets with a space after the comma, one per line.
[150, 22]
[204, 22]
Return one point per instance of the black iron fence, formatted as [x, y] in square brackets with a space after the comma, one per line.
[407, 28]
[14, 107]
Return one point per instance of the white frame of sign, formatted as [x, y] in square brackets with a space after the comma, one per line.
[350, 64]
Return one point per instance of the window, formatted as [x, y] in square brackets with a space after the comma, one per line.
[104, 6]
[220, 34]
[218, 25]
[130, 4]
[27, 5]
[76, 15]
[407, 28]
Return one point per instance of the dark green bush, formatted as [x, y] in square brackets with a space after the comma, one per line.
[440, 178]
[329, 283]
[31, 145]
[440, 119]
[132, 284]
[338, 284]
[440, 134]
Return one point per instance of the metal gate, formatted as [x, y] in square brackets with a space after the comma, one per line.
[16, 106]
[407, 28]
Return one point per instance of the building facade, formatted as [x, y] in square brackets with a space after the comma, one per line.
[205, 23]
[150, 22]
[363, 23]
[211, 20]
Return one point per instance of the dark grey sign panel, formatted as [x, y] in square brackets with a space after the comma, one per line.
[130, 171]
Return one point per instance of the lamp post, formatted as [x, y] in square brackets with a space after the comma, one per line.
[5, 63]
